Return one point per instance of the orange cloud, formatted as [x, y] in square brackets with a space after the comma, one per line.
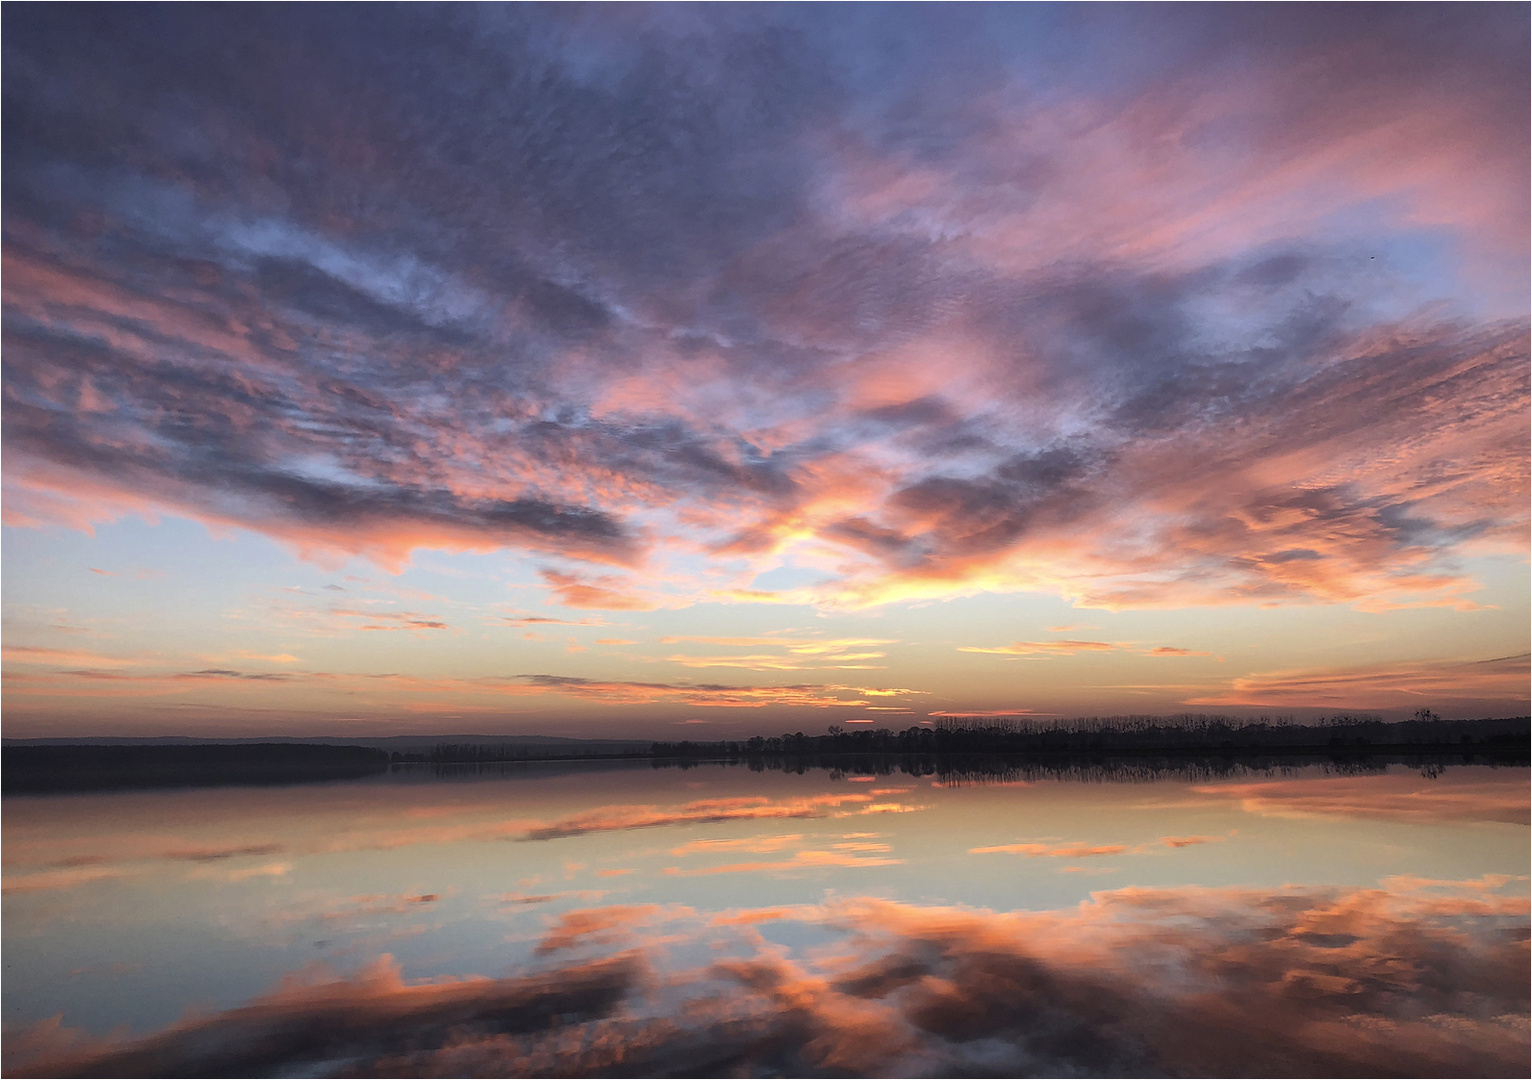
[707, 695]
[1087, 850]
[978, 714]
[391, 620]
[1501, 681]
[34, 654]
[802, 860]
[1051, 851]
[1034, 648]
[797, 653]
[605, 592]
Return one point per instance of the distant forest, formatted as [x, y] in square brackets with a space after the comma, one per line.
[952, 747]
[1116, 735]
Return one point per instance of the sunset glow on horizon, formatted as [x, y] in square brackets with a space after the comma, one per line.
[672, 371]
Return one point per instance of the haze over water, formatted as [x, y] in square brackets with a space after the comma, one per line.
[629, 920]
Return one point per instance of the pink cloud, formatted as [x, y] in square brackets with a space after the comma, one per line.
[1052, 851]
[801, 860]
[1499, 683]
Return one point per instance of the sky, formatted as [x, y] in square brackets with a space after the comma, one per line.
[704, 371]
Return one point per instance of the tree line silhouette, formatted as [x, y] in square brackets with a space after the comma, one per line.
[952, 748]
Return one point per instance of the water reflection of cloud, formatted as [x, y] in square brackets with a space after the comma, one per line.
[220, 853]
[1398, 797]
[755, 845]
[429, 825]
[61, 879]
[548, 898]
[243, 873]
[601, 926]
[1414, 981]
[709, 811]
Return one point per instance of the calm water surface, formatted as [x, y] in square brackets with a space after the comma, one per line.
[627, 920]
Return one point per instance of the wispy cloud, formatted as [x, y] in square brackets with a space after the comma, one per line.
[714, 695]
[1052, 851]
[800, 860]
[1070, 648]
[797, 654]
[602, 591]
[1291, 369]
[1499, 682]
[1036, 648]
[38, 654]
[1081, 850]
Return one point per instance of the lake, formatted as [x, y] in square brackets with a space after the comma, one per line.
[626, 920]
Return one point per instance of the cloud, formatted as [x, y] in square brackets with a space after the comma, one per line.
[1070, 648]
[604, 592]
[1033, 648]
[1498, 683]
[769, 292]
[391, 620]
[1188, 841]
[1414, 980]
[539, 620]
[37, 654]
[714, 695]
[1081, 850]
[413, 693]
[970, 714]
[1051, 851]
[800, 860]
[798, 654]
